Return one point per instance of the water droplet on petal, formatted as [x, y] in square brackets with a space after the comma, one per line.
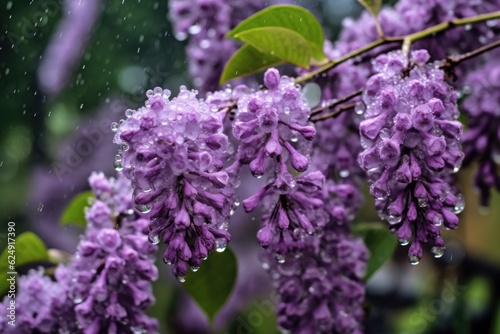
[404, 242]
[114, 126]
[414, 260]
[459, 205]
[154, 238]
[437, 251]
[280, 258]
[181, 279]
[195, 269]
[220, 245]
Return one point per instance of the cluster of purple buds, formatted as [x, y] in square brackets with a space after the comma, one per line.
[321, 289]
[38, 304]
[482, 139]
[173, 151]
[109, 283]
[275, 135]
[411, 146]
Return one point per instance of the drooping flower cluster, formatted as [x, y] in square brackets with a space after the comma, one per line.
[174, 151]
[206, 22]
[67, 44]
[37, 306]
[275, 135]
[411, 141]
[322, 290]
[482, 139]
[109, 279]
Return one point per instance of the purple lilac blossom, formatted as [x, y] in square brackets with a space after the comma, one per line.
[322, 289]
[275, 135]
[109, 279]
[482, 139]
[173, 151]
[40, 306]
[67, 44]
[411, 145]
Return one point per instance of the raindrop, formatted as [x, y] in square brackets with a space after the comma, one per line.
[195, 269]
[220, 245]
[344, 173]
[459, 205]
[144, 208]
[414, 260]
[181, 279]
[359, 108]
[114, 126]
[40, 207]
[404, 242]
[154, 238]
[437, 251]
[118, 165]
[280, 258]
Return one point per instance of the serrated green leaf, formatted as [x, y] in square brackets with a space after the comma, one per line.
[380, 242]
[282, 43]
[373, 6]
[75, 211]
[247, 60]
[211, 286]
[28, 248]
[289, 17]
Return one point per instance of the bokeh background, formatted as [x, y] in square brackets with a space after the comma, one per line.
[45, 159]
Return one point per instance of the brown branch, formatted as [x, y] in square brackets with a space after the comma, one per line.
[335, 102]
[335, 113]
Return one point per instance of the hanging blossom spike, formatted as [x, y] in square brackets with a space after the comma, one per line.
[173, 151]
[109, 279]
[482, 138]
[411, 147]
[276, 136]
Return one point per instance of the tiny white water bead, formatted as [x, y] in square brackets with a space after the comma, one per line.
[280, 258]
[422, 202]
[114, 126]
[437, 251]
[404, 242]
[143, 208]
[154, 238]
[181, 279]
[414, 260]
[344, 173]
[220, 245]
[394, 219]
[265, 266]
[129, 113]
[195, 269]
[459, 205]
[118, 165]
[359, 108]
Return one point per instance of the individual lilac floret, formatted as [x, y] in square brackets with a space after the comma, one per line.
[322, 290]
[273, 127]
[411, 145]
[39, 303]
[67, 44]
[174, 152]
[482, 139]
[112, 269]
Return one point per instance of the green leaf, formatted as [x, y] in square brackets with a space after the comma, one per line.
[28, 248]
[247, 60]
[282, 43]
[75, 211]
[373, 6]
[288, 17]
[212, 284]
[380, 242]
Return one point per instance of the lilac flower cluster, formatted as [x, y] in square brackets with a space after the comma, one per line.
[106, 288]
[67, 44]
[39, 306]
[174, 153]
[206, 22]
[275, 134]
[109, 279]
[411, 145]
[322, 290]
[482, 139]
